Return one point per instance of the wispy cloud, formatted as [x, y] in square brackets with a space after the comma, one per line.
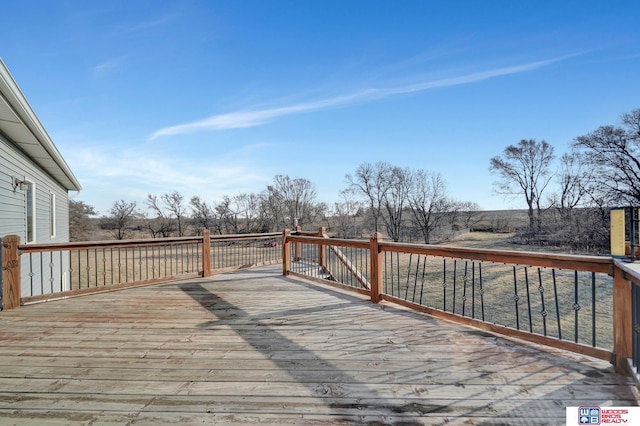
[107, 66]
[146, 25]
[137, 172]
[258, 117]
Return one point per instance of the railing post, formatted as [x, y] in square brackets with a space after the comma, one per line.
[622, 320]
[206, 253]
[10, 272]
[321, 255]
[296, 246]
[286, 252]
[376, 267]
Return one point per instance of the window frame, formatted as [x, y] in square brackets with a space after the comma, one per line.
[30, 220]
[52, 214]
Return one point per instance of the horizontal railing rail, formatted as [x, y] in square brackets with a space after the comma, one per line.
[38, 272]
[573, 302]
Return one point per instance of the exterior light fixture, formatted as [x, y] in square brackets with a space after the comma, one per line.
[22, 184]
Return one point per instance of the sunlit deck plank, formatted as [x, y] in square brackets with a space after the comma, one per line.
[253, 346]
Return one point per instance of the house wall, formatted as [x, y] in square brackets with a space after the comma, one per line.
[54, 271]
[14, 164]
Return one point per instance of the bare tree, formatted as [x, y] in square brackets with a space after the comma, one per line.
[202, 214]
[573, 180]
[272, 209]
[427, 200]
[249, 211]
[524, 169]
[394, 201]
[613, 152]
[161, 225]
[297, 199]
[227, 211]
[176, 207]
[345, 214]
[120, 217]
[80, 225]
[170, 214]
[372, 182]
[471, 214]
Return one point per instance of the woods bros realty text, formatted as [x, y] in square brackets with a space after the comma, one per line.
[603, 415]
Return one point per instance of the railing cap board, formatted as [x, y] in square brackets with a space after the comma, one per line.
[146, 242]
[549, 260]
[245, 236]
[329, 241]
[630, 270]
[28, 248]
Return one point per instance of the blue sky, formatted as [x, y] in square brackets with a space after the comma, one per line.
[214, 98]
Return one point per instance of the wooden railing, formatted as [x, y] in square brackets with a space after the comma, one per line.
[627, 280]
[586, 304]
[579, 303]
[37, 272]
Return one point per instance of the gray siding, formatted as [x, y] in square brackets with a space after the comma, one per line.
[54, 271]
[14, 164]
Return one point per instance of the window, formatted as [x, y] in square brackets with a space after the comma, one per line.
[31, 212]
[52, 214]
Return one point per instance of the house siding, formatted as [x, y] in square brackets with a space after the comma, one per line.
[15, 164]
[54, 271]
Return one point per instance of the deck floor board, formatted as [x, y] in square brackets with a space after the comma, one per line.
[254, 347]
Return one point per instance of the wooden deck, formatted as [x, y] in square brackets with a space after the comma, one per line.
[254, 347]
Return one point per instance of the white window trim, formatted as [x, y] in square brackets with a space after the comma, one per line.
[52, 214]
[34, 221]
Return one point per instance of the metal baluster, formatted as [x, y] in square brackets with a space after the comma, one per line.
[555, 293]
[455, 273]
[79, 257]
[61, 270]
[31, 274]
[544, 312]
[89, 270]
[133, 263]
[516, 298]
[398, 271]
[444, 284]
[181, 260]
[576, 305]
[111, 270]
[51, 279]
[392, 272]
[153, 261]
[473, 289]
[593, 312]
[526, 280]
[104, 267]
[365, 253]
[424, 267]
[464, 287]
[481, 289]
[406, 291]
[415, 282]
[41, 275]
[119, 265]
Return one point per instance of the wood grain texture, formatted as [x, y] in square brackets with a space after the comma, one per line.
[256, 347]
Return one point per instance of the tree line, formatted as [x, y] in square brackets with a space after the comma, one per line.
[569, 204]
[567, 201]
